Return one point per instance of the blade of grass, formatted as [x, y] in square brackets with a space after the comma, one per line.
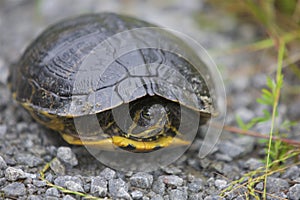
[279, 79]
[62, 189]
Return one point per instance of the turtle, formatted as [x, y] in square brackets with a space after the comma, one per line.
[147, 84]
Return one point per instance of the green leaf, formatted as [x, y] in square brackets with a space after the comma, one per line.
[241, 123]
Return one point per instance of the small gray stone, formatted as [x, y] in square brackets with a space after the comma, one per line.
[52, 150]
[240, 197]
[13, 174]
[39, 183]
[68, 197]
[49, 177]
[51, 198]
[66, 155]
[141, 180]
[178, 194]
[246, 142]
[245, 114]
[220, 184]
[2, 181]
[52, 192]
[172, 170]
[136, 194]
[276, 185]
[197, 196]
[34, 197]
[294, 192]
[71, 185]
[108, 174]
[217, 166]
[157, 197]
[214, 197]
[57, 167]
[231, 149]
[14, 189]
[30, 176]
[276, 196]
[291, 173]
[204, 163]
[223, 157]
[4, 71]
[210, 182]
[118, 188]
[158, 186]
[21, 126]
[29, 160]
[259, 186]
[196, 185]
[3, 164]
[99, 186]
[172, 180]
[3, 130]
[61, 180]
[253, 164]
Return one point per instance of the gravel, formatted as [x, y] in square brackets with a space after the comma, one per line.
[253, 164]
[276, 185]
[13, 174]
[172, 180]
[3, 164]
[118, 188]
[61, 180]
[26, 147]
[157, 197]
[57, 167]
[3, 129]
[136, 194]
[195, 185]
[38, 183]
[220, 184]
[29, 160]
[176, 194]
[108, 174]
[291, 173]
[230, 149]
[66, 155]
[99, 186]
[68, 197]
[294, 192]
[73, 186]
[52, 192]
[141, 180]
[159, 186]
[14, 189]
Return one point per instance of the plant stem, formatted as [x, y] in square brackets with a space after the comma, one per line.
[275, 105]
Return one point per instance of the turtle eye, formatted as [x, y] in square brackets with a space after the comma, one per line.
[145, 114]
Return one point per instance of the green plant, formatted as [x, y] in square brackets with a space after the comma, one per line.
[280, 21]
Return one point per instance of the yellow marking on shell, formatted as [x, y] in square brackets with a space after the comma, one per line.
[140, 146]
[122, 142]
[54, 122]
[134, 122]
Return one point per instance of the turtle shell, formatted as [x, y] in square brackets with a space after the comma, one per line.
[49, 77]
[96, 65]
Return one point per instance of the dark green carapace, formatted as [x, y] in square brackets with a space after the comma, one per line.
[44, 82]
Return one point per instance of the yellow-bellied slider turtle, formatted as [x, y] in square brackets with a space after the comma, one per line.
[44, 82]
